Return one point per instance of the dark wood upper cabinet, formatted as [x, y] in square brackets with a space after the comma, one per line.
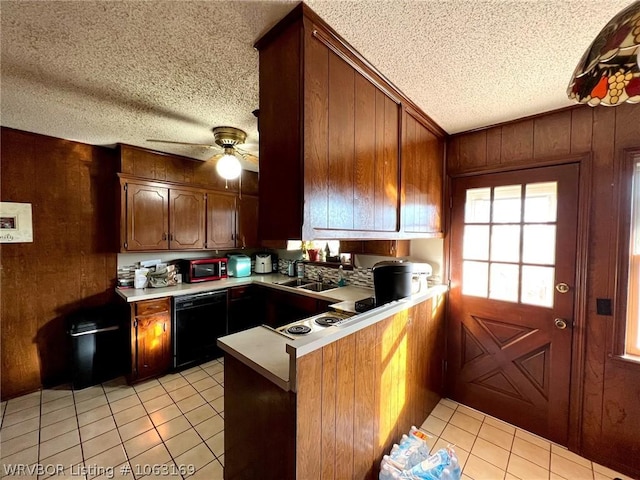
[386, 248]
[247, 222]
[156, 216]
[221, 220]
[147, 217]
[334, 124]
[187, 218]
[422, 178]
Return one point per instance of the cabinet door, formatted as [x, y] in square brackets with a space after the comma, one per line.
[187, 217]
[422, 161]
[247, 222]
[147, 210]
[351, 148]
[153, 345]
[387, 248]
[246, 308]
[221, 220]
[283, 307]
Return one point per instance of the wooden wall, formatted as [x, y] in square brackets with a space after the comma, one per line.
[357, 396]
[610, 410]
[72, 260]
[153, 165]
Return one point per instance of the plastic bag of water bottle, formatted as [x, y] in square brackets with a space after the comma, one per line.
[410, 460]
[411, 450]
[443, 465]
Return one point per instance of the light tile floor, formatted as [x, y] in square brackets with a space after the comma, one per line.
[114, 430]
[178, 420]
[490, 449]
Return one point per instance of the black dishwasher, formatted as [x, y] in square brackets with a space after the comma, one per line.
[198, 320]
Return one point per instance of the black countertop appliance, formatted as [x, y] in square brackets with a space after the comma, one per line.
[391, 281]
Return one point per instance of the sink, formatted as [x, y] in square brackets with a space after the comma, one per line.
[298, 282]
[318, 287]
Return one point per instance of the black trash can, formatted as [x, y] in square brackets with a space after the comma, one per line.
[99, 344]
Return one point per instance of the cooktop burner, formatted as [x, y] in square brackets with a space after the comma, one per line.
[298, 330]
[328, 320]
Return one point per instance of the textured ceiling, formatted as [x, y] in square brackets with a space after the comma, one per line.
[103, 72]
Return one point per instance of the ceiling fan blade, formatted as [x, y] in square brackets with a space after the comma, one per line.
[249, 157]
[244, 151]
[215, 158]
[183, 143]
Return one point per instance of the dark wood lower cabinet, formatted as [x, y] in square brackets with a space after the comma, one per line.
[150, 338]
[354, 398]
[246, 308]
[284, 307]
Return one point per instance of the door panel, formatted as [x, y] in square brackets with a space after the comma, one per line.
[221, 220]
[247, 221]
[187, 218]
[147, 217]
[513, 239]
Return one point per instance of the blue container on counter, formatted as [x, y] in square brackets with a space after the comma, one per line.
[239, 266]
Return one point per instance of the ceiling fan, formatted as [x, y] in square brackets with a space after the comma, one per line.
[227, 138]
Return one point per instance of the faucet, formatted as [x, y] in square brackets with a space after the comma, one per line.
[320, 277]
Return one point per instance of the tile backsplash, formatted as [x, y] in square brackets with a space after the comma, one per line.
[359, 277]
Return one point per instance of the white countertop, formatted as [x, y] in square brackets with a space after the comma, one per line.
[338, 294]
[262, 349]
[274, 355]
[270, 353]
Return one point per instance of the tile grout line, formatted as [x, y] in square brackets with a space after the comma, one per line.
[155, 427]
[84, 464]
[215, 457]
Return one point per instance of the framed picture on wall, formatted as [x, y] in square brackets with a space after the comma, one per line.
[15, 223]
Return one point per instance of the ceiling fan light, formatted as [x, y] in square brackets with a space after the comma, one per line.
[228, 167]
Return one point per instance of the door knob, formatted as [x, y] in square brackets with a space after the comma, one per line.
[563, 287]
[560, 323]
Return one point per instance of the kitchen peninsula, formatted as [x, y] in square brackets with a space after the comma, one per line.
[333, 401]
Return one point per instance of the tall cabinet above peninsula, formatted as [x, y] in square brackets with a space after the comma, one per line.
[345, 135]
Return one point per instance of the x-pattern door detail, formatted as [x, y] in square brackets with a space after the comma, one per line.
[513, 242]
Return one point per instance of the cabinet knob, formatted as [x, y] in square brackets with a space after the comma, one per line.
[164, 236]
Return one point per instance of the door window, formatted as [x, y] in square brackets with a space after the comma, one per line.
[509, 243]
[632, 340]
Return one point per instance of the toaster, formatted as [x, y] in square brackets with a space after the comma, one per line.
[263, 263]
[239, 266]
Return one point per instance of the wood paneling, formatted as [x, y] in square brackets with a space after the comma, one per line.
[347, 149]
[550, 135]
[422, 178]
[280, 214]
[517, 141]
[152, 165]
[373, 386]
[310, 368]
[364, 181]
[341, 143]
[72, 260]
[608, 410]
[255, 418]
[354, 399]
